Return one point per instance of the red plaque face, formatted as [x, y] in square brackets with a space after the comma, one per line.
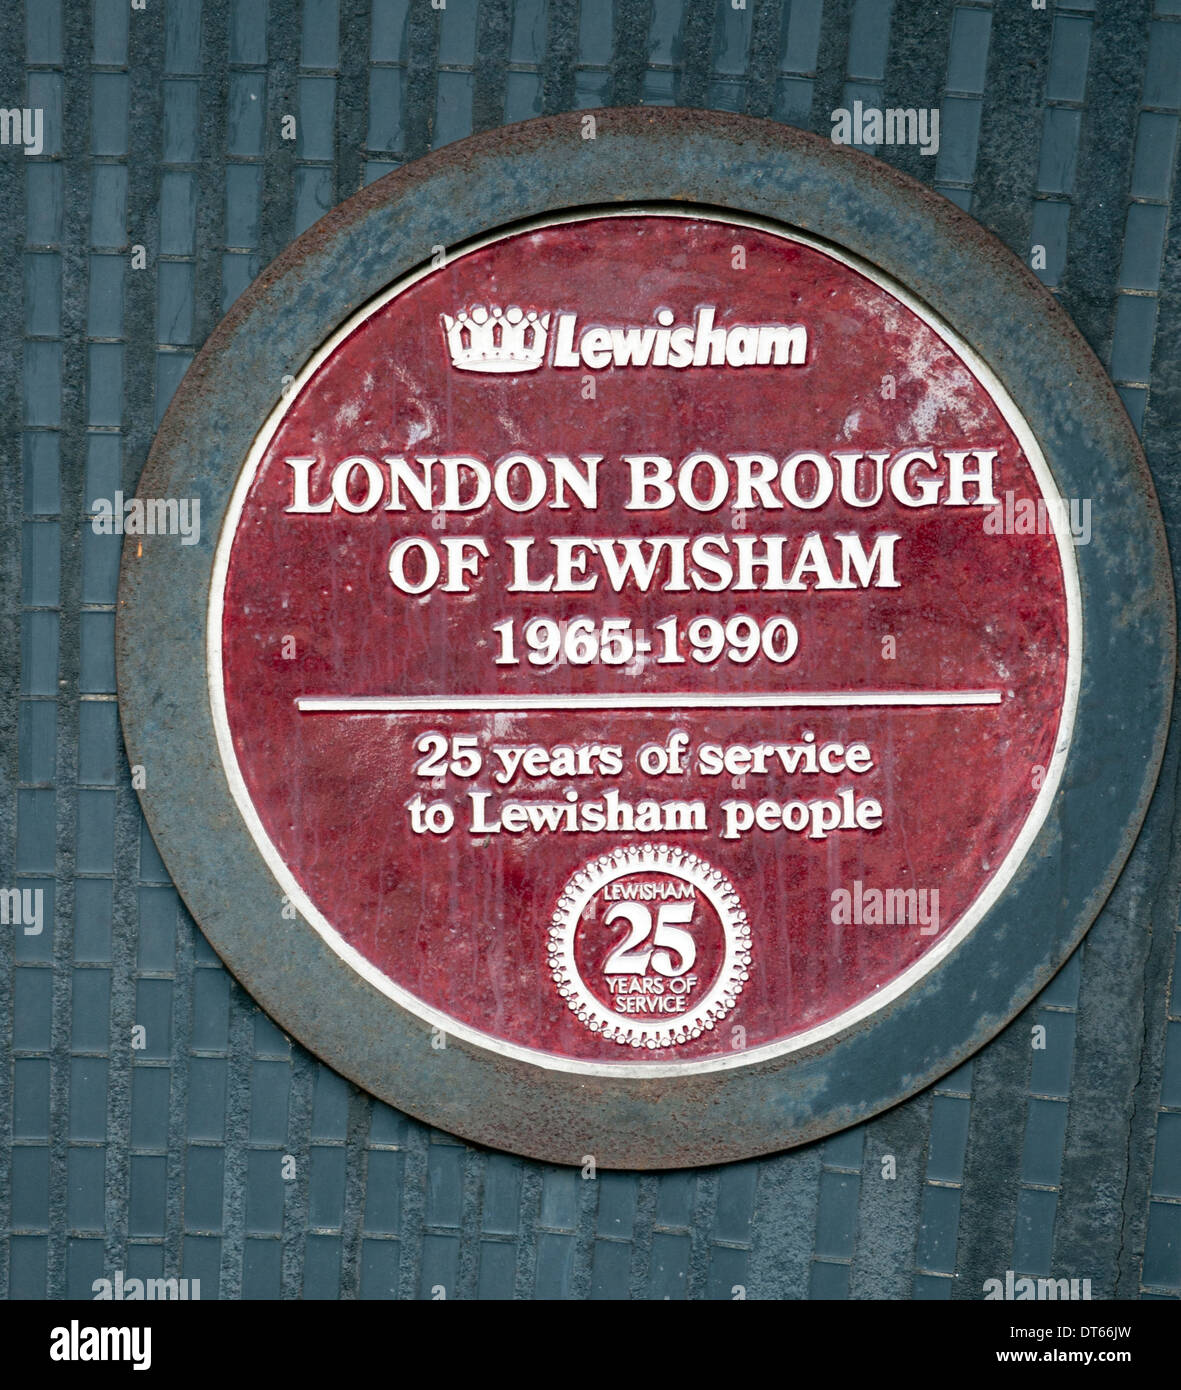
[646, 640]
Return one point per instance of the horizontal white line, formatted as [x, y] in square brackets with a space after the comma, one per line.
[816, 699]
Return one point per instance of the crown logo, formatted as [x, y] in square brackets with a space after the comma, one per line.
[495, 340]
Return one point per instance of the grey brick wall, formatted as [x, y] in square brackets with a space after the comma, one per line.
[221, 1151]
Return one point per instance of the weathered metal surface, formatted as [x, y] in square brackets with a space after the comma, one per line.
[951, 265]
[443, 868]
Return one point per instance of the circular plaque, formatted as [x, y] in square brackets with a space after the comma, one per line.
[647, 685]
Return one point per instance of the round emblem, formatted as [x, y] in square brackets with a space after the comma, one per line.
[665, 679]
[680, 967]
[783, 618]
